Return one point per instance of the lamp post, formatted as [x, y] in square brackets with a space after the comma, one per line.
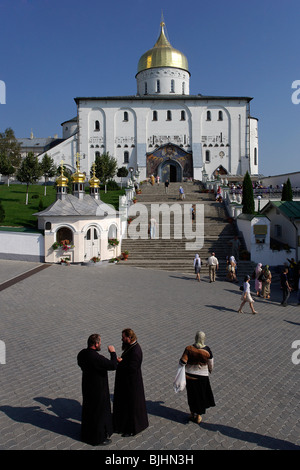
[258, 198]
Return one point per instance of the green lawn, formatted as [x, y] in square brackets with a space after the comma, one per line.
[18, 214]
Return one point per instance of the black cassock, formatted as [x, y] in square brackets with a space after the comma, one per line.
[129, 405]
[96, 423]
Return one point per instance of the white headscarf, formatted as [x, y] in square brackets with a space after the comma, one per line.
[199, 339]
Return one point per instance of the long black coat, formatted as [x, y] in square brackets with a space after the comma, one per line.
[129, 405]
[96, 423]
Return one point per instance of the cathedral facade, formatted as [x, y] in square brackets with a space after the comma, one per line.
[163, 130]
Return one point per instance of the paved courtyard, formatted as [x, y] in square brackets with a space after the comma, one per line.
[47, 317]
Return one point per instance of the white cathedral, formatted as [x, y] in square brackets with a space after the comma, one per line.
[163, 130]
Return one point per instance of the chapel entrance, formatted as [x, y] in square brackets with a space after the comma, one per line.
[92, 245]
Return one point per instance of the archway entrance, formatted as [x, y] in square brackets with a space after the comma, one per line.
[170, 170]
[170, 162]
[92, 245]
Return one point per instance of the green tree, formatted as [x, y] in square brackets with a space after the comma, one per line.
[10, 153]
[122, 173]
[29, 172]
[6, 168]
[10, 147]
[105, 167]
[287, 192]
[248, 197]
[48, 169]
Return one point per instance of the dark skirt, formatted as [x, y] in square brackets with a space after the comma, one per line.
[199, 394]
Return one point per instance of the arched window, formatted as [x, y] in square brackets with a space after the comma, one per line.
[220, 116]
[126, 157]
[207, 156]
[169, 116]
[208, 116]
[97, 126]
[97, 155]
[146, 88]
[125, 116]
[183, 88]
[64, 234]
[172, 86]
[182, 114]
[255, 156]
[112, 232]
[157, 86]
[154, 116]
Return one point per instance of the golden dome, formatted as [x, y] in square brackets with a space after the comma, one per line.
[94, 181]
[62, 180]
[163, 55]
[78, 177]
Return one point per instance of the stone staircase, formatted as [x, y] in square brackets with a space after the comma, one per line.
[171, 254]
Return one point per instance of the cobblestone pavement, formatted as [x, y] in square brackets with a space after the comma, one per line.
[47, 317]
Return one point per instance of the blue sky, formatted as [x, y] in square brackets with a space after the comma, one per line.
[52, 51]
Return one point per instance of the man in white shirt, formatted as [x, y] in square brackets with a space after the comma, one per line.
[213, 265]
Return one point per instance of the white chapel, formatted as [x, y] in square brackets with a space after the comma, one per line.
[163, 130]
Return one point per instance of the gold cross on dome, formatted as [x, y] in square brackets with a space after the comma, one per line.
[78, 160]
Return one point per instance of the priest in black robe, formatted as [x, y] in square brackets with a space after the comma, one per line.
[96, 425]
[129, 404]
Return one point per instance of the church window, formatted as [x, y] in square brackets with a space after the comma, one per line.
[112, 232]
[182, 116]
[125, 116]
[220, 116]
[48, 226]
[172, 86]
[207, 156]
[255, 156]
[97, 126]
[126, 157]
[208, 116]
[97, 154]
[157, 86]
[154, 116]
[64, 233]
[169, 116]
[146, 88]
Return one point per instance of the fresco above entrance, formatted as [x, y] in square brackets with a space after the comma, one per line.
[170, 162]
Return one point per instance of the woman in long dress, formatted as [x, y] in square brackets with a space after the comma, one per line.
[258, 284]
[198, 361]
[246, 296]
[197, 266]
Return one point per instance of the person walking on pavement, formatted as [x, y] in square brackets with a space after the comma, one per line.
[213, 266]
[246, 296]
[198, 361]
[285, 286]
[197, 266]
[96, 425]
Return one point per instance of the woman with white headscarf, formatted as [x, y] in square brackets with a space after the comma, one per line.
[258, 283]
[197, 266]
[199, 362]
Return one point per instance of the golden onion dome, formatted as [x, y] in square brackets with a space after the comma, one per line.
[163, 55]
[78, 177]
[62, 180]
[94, 182]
